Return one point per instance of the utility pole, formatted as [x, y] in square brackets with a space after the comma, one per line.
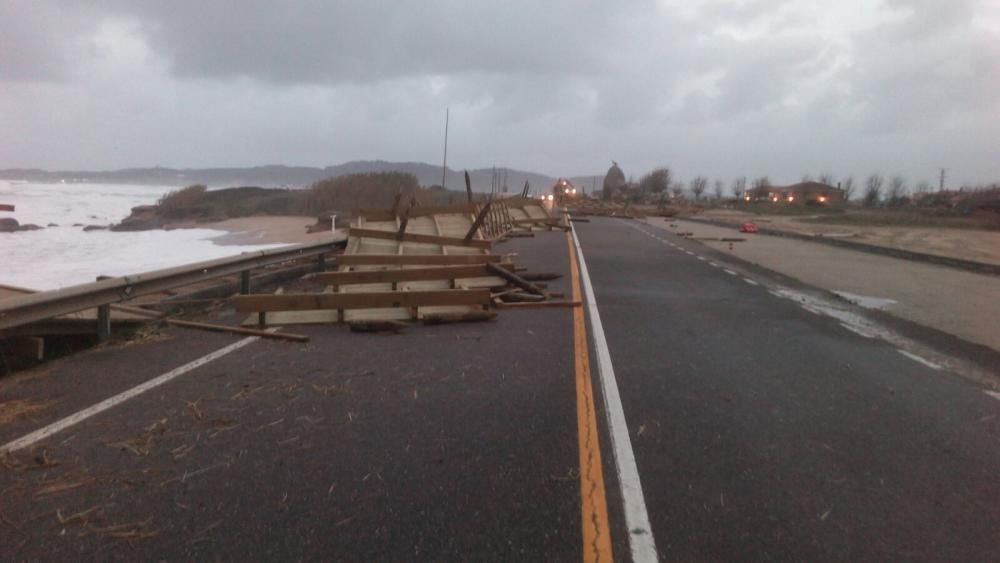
[941, 181]
[444, 163]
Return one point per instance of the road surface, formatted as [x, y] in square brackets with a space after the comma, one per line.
[738, 426]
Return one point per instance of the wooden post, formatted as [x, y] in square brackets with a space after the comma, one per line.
[321, 262]
[244, 282]
[468, 186]
[262, 319]
[103, 318]
[403, 220]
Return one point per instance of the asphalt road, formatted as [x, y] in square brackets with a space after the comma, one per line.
[760, 431]
[444, 442]
[763, 431]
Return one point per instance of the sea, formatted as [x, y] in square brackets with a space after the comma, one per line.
[63, 254]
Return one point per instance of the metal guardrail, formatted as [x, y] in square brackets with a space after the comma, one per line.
[48, 304]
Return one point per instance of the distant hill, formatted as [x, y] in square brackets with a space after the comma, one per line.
[279, 175]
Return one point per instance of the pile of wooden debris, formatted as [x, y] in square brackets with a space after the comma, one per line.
[429, 264]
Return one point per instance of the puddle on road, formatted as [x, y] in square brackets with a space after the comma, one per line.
[866, 301]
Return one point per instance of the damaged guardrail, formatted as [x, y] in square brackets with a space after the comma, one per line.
[19, 311]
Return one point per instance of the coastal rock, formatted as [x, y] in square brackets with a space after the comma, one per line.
[9, 225]
[143, 218]
[95, 228]
[53, 224]
[30, 227]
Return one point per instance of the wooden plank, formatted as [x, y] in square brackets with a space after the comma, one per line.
[417, 237]
[387, 276]
[540, 305]
[6, 207]
[415, 259]
[371, 300]
[240, 330]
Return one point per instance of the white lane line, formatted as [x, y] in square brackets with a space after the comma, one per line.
[750, 281]
[730, 272]
[993, 394]
[920, 360]
[689, 253]
[640, 534]
[851, 328]
[106, 404]
[702, 258]
[714, 265]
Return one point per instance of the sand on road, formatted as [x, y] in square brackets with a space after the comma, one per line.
[961, 303]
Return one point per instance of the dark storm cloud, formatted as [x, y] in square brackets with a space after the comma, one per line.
[719, 87]
[345, 41]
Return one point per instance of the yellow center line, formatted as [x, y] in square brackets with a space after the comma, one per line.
[594, 506]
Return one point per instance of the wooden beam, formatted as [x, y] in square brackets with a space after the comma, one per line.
[468, 186]
[6, 207]
[540, 305]
[388, 276]
[240, 330]
[416, 237]
[415, 259]
[368, 300]
[515, 279]
[478, 222]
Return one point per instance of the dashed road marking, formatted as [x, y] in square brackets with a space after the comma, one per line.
[730, 272]
[714, 265]
[702, 258]
[855, 330]
[920, 360]
[750, 281]
[994, 394]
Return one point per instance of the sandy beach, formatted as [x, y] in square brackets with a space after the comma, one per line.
[263, 230]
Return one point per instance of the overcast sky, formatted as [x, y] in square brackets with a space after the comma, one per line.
[717, 88]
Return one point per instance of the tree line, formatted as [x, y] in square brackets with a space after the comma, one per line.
[661, 184]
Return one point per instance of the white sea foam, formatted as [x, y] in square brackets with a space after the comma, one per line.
[66, 255]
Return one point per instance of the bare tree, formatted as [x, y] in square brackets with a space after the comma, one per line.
[698, 186]
[826, 178]
[873, 190]
[761, 182]
[807, 177]
[656, 181]
[718, 188]
[739, 186]
[923, 187]
[848, 187]
[896, 195]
